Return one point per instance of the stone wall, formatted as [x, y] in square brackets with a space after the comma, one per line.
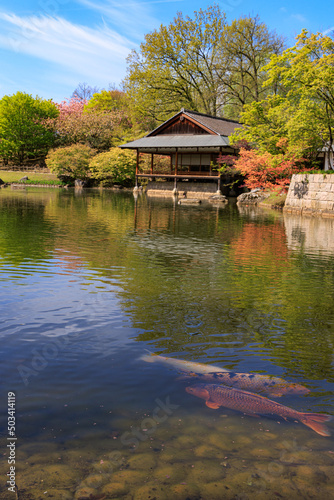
[311, 194]
[191, 189]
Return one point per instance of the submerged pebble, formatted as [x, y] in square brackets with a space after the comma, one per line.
[49, 476]
[142, 461]
[170, 474]
[261, 452]
[312, 475]
[184, 441]
[329, 471]
[95, 480]
[205, 471]
[184, 491]
[151, 492]
[207, 451]
[216, 490]
[130, 477]
[39, 493]
[114, 489]
[83, 493]
[174, 455]
[104, 466]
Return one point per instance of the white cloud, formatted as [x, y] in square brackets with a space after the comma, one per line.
[98, 52]
[133, 18]
[300, 18]
[329, 31]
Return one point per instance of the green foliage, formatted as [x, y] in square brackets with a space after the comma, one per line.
[115, 104]
[161, 163]
[107, 100]
[116, 166]
[175, 66]
[24, 128]
[265, 124]
[71, 162]
[303, 115]
[247, 47]
[202, 64]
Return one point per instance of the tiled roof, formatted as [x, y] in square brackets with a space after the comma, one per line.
[220, 126]
[178, 141]
[220, 129]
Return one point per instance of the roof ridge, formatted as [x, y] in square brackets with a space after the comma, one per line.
[209, 116]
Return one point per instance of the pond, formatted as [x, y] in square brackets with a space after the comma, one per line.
[92, 281]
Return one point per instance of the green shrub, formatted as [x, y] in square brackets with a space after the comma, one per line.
[71, 162]
[116, 166]
[25, 127]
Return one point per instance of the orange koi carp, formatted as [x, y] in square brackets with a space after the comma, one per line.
[252, 404]
[267, 384]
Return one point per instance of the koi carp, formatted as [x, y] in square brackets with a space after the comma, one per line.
[252, 404]
[182, 365]
[267, 384]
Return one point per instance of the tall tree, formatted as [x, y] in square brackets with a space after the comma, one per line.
[84, 92]
[247, 47]
[202, 64]
[107, 100]
[25, 129]
[117, 103]
[175, 66]
[302, 118]
[307, 73]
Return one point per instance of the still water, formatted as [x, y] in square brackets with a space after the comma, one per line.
[91, 281]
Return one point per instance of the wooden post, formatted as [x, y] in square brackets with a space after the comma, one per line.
[137, 162]
[175, 182]
[219, 182]
[152, 155]
[137, 169]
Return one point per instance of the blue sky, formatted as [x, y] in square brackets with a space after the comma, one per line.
[48, 46]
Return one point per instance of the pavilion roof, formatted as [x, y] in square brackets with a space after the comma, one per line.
[214, 134]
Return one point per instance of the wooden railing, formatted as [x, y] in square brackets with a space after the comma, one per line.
[181, 175]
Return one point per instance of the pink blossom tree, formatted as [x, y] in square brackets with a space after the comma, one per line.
[95, 128]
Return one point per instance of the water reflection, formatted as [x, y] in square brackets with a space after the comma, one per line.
[89, 282]
[312, 235]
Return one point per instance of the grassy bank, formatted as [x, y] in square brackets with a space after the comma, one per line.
[10, 177]
[275, 199]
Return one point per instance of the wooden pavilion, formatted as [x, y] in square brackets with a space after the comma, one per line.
[193, 141]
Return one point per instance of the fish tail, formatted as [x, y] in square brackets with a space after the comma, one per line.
[315, 422]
